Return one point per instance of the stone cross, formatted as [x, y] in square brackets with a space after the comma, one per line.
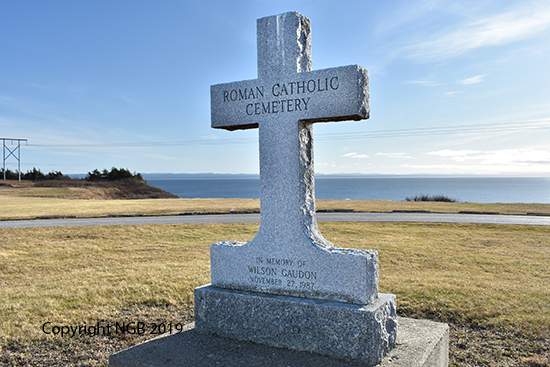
[288, 255]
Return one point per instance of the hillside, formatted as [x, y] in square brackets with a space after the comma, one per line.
[82, 189]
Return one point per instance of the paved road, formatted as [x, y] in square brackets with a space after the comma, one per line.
[255, 218]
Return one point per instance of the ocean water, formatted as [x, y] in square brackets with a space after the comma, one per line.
[465, 189]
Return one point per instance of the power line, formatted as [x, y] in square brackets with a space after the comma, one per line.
[518, 126]
[152, 143]
[446, 130]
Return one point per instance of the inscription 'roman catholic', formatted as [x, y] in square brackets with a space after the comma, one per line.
[280, 89]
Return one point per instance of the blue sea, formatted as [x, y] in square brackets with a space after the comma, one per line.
[465, 189]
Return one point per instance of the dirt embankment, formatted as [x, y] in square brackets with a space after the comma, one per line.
[82, 189]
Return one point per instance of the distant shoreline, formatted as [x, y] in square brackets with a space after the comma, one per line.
[179, 176]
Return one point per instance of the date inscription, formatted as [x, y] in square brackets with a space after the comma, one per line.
[282, 272]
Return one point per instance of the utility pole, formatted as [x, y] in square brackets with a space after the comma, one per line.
[12, 152]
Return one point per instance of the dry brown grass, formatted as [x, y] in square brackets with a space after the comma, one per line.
[433, 207]
[489, 282]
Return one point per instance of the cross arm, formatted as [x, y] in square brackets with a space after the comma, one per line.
[334, 94]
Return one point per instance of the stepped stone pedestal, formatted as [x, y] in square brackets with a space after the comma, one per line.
[341, 330]
[420, 343]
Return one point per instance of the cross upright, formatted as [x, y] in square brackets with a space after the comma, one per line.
[289, 255]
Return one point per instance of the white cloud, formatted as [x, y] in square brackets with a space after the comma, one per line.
[426, 83]
[538, 170]
[501, 157]
[355, 155]
[453, 153]
[162, 157]
[209, 137]
[395, 155]
[452, 93]
[71, 153]
[473, 80]
[491, 31]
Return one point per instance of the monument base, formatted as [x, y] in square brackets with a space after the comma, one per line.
[340, 330]
[420, 343]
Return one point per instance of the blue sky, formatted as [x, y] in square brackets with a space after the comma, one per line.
[456, 87]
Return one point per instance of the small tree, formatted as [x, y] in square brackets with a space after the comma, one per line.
[138, 176]
[55, 175]
[113, 175]
[95, 175]
[34, 175]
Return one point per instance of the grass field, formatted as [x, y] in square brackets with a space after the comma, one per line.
[489, 282]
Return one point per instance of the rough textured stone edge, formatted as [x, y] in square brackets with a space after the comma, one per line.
[420, 343]
[340, 330]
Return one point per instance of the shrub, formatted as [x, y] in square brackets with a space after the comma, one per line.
[114, 175]
[34, 175]
[56, 175]
[441, 198]
[10, 175]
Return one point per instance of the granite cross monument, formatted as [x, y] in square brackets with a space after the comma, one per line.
[289, 256]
